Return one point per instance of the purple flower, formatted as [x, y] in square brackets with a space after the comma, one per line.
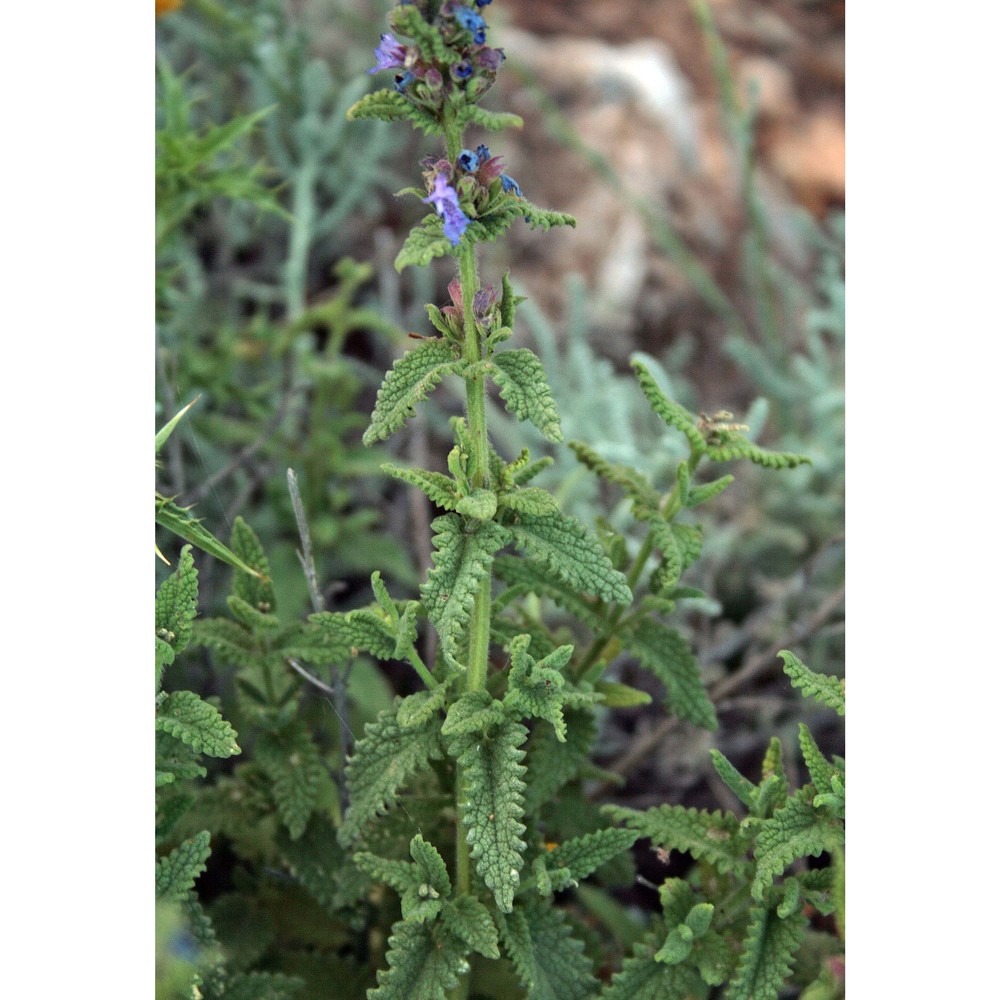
[445, 202]
[389, 54]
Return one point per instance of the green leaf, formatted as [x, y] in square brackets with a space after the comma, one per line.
[423, 965]
[479, 504]
[417, 709]
[551, 764]
[412, 378]
[768, 951]
[734, 446]
[527, 576]
[361, 630]
[295, 768]
[383, 761]
[493, 121]
[473, 712]
[744, 789]
[175, 761]
[256, 590]
[263, 986]
[671, 413]
[717, 837]
[426, 242]
[666, 653]
[822, 773]
[388, 106]
[441, 489]
[796, 830]
[423, 885]
[644, 978]
[572, 552]
[535, 688]
[492, 770]
[250, 618]
[177, 604]
[700, 494]
[824, 688]
[615, 695]
[634, 483]
[531, 500]
[468, 920]
[580, 856]
[462, 560]
[550, 962]
[176, 873]
[187, 718]
[524, 390]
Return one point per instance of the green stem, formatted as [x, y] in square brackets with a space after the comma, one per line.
[669, 507]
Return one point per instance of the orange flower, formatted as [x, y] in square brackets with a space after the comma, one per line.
[166, 6]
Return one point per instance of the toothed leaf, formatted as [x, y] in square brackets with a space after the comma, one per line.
[462, 560]
[177, 605]
[423, 964]
[824, 688]
[494, 805]
[187, 718]
[525, 391]
[441, 489]
[572, 552]
[768, 952]
[176, 873]
[412, 378]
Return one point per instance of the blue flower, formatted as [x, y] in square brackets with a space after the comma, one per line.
[445, 202]
[468, 161]
[389, 54]
[483, 3]
[471, 21]
[403, 81]
[483, 151]
[509, 184]
[462, 70]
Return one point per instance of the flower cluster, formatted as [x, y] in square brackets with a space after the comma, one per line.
[452, 55]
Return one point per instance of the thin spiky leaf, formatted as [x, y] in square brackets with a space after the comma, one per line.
[532, 469]
[462, 560]
[384, 760]
[768, 953]
[523, 388]
[185, 525]
[717, 837]
[423, 965]
[666, 653]
[492, 769]
[572, 552]
[441, 489]
[824, 688]
[411, 379]
[186, 717]
[176, 873]
[549, 961]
